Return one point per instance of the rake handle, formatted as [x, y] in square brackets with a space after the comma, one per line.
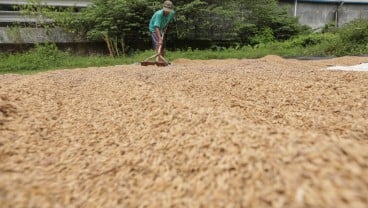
[162, 42]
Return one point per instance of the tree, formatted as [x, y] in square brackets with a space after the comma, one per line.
[115, 21]
[265, 18]
[249, 21]
[205, 19]
[122, 22]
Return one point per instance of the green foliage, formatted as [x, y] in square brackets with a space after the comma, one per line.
[114, 21]
[265, 36]
[261, 17]
[116, 18]
[35, 9]
[186, 18]
[354, 37]
[49, 57]
[307, 40]
[316, 44]
[200, 19]
[119, 21]
[249, 21]
[351, 39]
[355, 32]
[331, 27]
[246, 32]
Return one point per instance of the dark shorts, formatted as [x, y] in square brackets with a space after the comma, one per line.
[156, 40]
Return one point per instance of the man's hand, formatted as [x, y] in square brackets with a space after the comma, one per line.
[158, 32]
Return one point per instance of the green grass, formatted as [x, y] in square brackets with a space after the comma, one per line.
[32, 62]
[40, 60]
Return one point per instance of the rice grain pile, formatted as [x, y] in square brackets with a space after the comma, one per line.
[267, 132]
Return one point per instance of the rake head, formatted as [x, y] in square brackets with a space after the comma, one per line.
[153, 63]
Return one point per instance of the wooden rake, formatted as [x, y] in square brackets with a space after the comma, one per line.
[147, 61]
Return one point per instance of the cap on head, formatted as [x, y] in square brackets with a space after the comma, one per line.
[168, 6]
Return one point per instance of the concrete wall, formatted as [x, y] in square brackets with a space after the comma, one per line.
[27, 35]
[350, 12]
[317, 15]
[19, 35]
[64, 3]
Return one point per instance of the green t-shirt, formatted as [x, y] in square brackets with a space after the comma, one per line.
[160, 20]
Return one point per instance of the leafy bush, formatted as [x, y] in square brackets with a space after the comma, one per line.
[265, 36]
[246, 32]
[316, 44]
[354, 37]
[351, 39]
[327, 46]
[355, 32]
[307, 40]
[262, 18]
[331, 27]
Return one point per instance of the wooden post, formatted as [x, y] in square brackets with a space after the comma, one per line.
[295, 8]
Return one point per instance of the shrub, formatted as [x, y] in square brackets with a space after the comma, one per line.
[354, 37]
[331, 27]
[307, 40]
[265, 36]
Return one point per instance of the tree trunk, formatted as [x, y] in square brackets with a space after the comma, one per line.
[109, 46]
[116, 48]
[123, 45]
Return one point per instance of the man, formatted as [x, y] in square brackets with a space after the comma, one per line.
[158, 26]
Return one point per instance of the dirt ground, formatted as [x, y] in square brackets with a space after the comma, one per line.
[267, 132]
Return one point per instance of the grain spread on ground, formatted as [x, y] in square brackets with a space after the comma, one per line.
[267, 132]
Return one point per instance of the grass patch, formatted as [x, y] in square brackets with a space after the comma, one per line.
[33, 61]
[44, 58]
